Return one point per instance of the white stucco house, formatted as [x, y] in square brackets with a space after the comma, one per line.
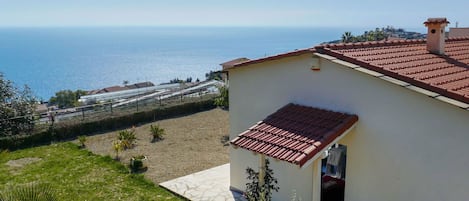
[399, 110]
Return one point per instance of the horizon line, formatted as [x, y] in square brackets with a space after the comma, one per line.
[345, 28]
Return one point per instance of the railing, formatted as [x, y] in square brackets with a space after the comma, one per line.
[106, 110]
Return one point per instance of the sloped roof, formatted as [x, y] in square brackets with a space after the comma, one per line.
[409, 61]
[405, 60]
[233, 62]
[458, 32]
[140, 85]
[268, 58]
[295, 133]
[113, 89]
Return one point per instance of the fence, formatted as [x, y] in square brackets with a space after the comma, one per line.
[119, 119]
[106, 110]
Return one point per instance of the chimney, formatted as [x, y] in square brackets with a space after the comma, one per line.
[436, 35]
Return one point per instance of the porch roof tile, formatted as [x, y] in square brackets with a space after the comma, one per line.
[295, 133]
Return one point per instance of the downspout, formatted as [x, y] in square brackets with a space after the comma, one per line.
[262, 173]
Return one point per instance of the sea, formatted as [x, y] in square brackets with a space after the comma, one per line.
[86, 58]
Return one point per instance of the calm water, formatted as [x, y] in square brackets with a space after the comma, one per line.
[52, 59]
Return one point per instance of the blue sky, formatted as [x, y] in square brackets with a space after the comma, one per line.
[310, 13]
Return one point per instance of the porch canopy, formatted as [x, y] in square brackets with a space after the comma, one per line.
[295, 133]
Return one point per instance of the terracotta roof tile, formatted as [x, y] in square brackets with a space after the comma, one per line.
[436, 21]
[405, 60]
[295, 133]
[409, 61]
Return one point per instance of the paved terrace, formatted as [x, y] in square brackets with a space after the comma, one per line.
[208, 185]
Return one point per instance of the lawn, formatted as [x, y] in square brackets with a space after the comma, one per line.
[76, 174]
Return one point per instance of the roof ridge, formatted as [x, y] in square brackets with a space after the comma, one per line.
[370, 44]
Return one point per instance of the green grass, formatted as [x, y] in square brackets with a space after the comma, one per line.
[77, 174]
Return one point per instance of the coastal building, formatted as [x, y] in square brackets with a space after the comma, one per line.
[458, 31]
[121, 88]
[140, 85]
[364, 121]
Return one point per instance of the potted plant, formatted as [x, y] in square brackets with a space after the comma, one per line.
[136, 164]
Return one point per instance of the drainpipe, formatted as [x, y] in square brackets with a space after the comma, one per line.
[262, 172]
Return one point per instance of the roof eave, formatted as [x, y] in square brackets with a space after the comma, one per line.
[455, 99]
[271, 58]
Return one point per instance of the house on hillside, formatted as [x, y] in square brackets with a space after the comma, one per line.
[365, 121]
[117, 88]
[140, 85]
[458, 32]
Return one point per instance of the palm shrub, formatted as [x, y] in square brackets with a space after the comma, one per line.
[156, 132]
[257, 192]
[82, 140]
[127, 138]
[30, 192]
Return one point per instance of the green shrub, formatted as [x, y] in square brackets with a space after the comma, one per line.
[126, 138]
[223, 100]
[82, 140]
[3, 153]
[31, 192]
[156, 132]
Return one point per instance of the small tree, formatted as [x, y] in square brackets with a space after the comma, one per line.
[213, 75]
[156, 132]
[257, 191]
[67, 98]
[16, 108]
[223, 100]
[117, 146]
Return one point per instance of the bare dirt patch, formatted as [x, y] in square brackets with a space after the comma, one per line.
[19, 163]
[192, 143]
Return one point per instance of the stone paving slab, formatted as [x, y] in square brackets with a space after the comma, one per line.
[208, 185]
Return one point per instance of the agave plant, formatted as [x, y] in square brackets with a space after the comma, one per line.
[156, 132]
[127, 138]
[82, 140]
[30, 192]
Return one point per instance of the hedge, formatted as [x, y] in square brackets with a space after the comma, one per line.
[70, 131]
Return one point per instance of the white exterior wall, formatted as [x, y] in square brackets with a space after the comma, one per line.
[406, 146]
[292, 180]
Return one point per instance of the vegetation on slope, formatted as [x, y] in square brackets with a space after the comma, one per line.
[76, 173]
[16, 108]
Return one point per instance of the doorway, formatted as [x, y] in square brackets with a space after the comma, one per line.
[333, 173]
